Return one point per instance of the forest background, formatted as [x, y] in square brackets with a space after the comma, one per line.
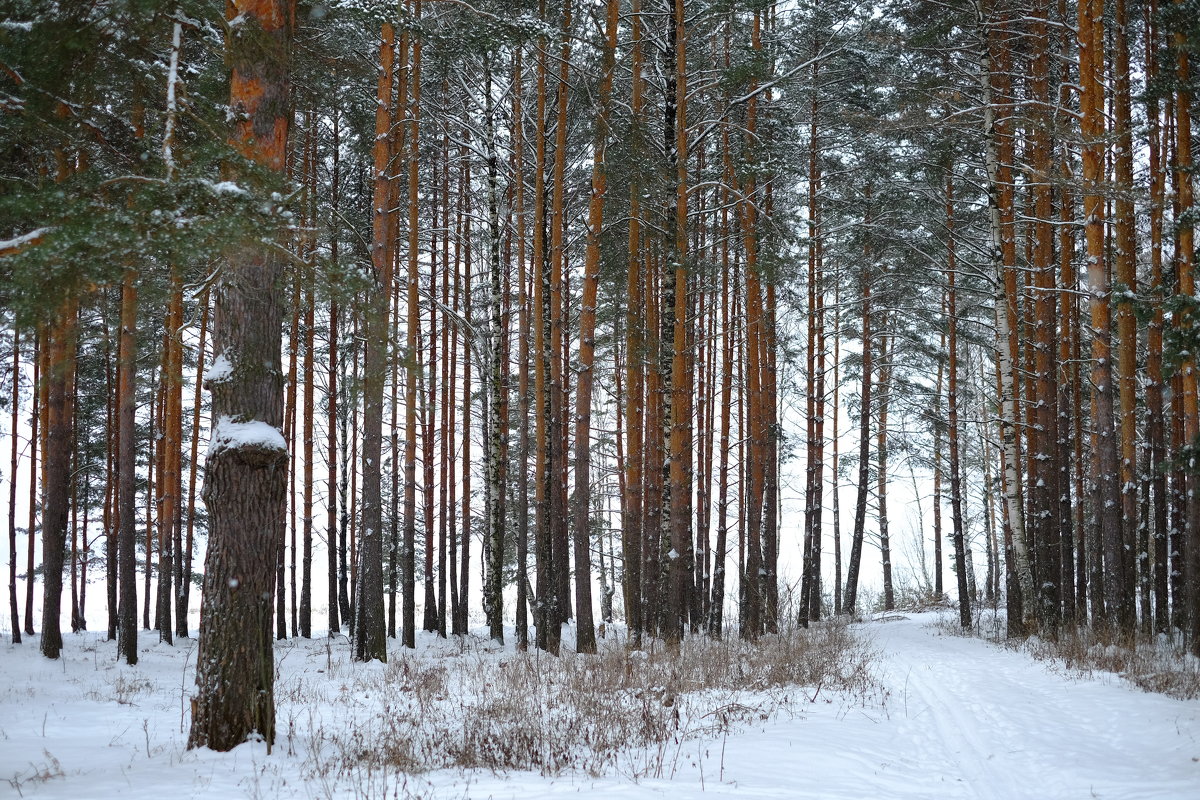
[602, 310]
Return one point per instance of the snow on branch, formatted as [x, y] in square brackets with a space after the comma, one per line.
[18, 243]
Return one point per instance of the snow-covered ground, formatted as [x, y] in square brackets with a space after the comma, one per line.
[953, 718]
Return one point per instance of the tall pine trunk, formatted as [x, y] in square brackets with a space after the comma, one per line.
[58, 448]
[586, 636]
[246, 470]
[15, 617]
[370, 633]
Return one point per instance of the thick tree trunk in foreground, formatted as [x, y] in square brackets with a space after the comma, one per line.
[756, 435]
[1125, 420]
[246, 476]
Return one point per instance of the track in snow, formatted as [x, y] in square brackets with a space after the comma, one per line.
[1010, 728]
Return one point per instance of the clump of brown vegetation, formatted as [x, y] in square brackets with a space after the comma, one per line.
[621, 711]
[1153, 662]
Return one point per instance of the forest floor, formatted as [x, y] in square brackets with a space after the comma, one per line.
[943, 716]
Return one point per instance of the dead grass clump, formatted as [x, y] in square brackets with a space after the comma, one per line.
[124, 690]
[1154, 664]
[824, 655]
[911, 596]
[38, 773]
[621, 710]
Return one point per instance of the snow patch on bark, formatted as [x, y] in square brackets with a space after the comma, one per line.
[220, 369]
[228, 434]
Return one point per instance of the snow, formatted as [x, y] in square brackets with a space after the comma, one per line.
[172, 79]
[1010, 728]
[220, 369]
[226, 187]
[230, 434]
[957, 718]
[22, 240]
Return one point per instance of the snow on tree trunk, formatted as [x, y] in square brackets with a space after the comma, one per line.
[245, 479]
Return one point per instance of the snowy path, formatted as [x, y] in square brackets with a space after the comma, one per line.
[1003, 726]
[961, 719]
[966, 719]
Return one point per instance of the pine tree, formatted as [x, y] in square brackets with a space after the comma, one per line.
[246, 474]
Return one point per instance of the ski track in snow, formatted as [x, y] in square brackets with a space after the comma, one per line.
[962, 719]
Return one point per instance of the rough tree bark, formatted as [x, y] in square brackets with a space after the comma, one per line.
[246, 476]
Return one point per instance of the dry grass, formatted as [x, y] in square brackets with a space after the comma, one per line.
[38, 774]
[1154, 664]
[618, 712]
[1159, 664]
[125, 689]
